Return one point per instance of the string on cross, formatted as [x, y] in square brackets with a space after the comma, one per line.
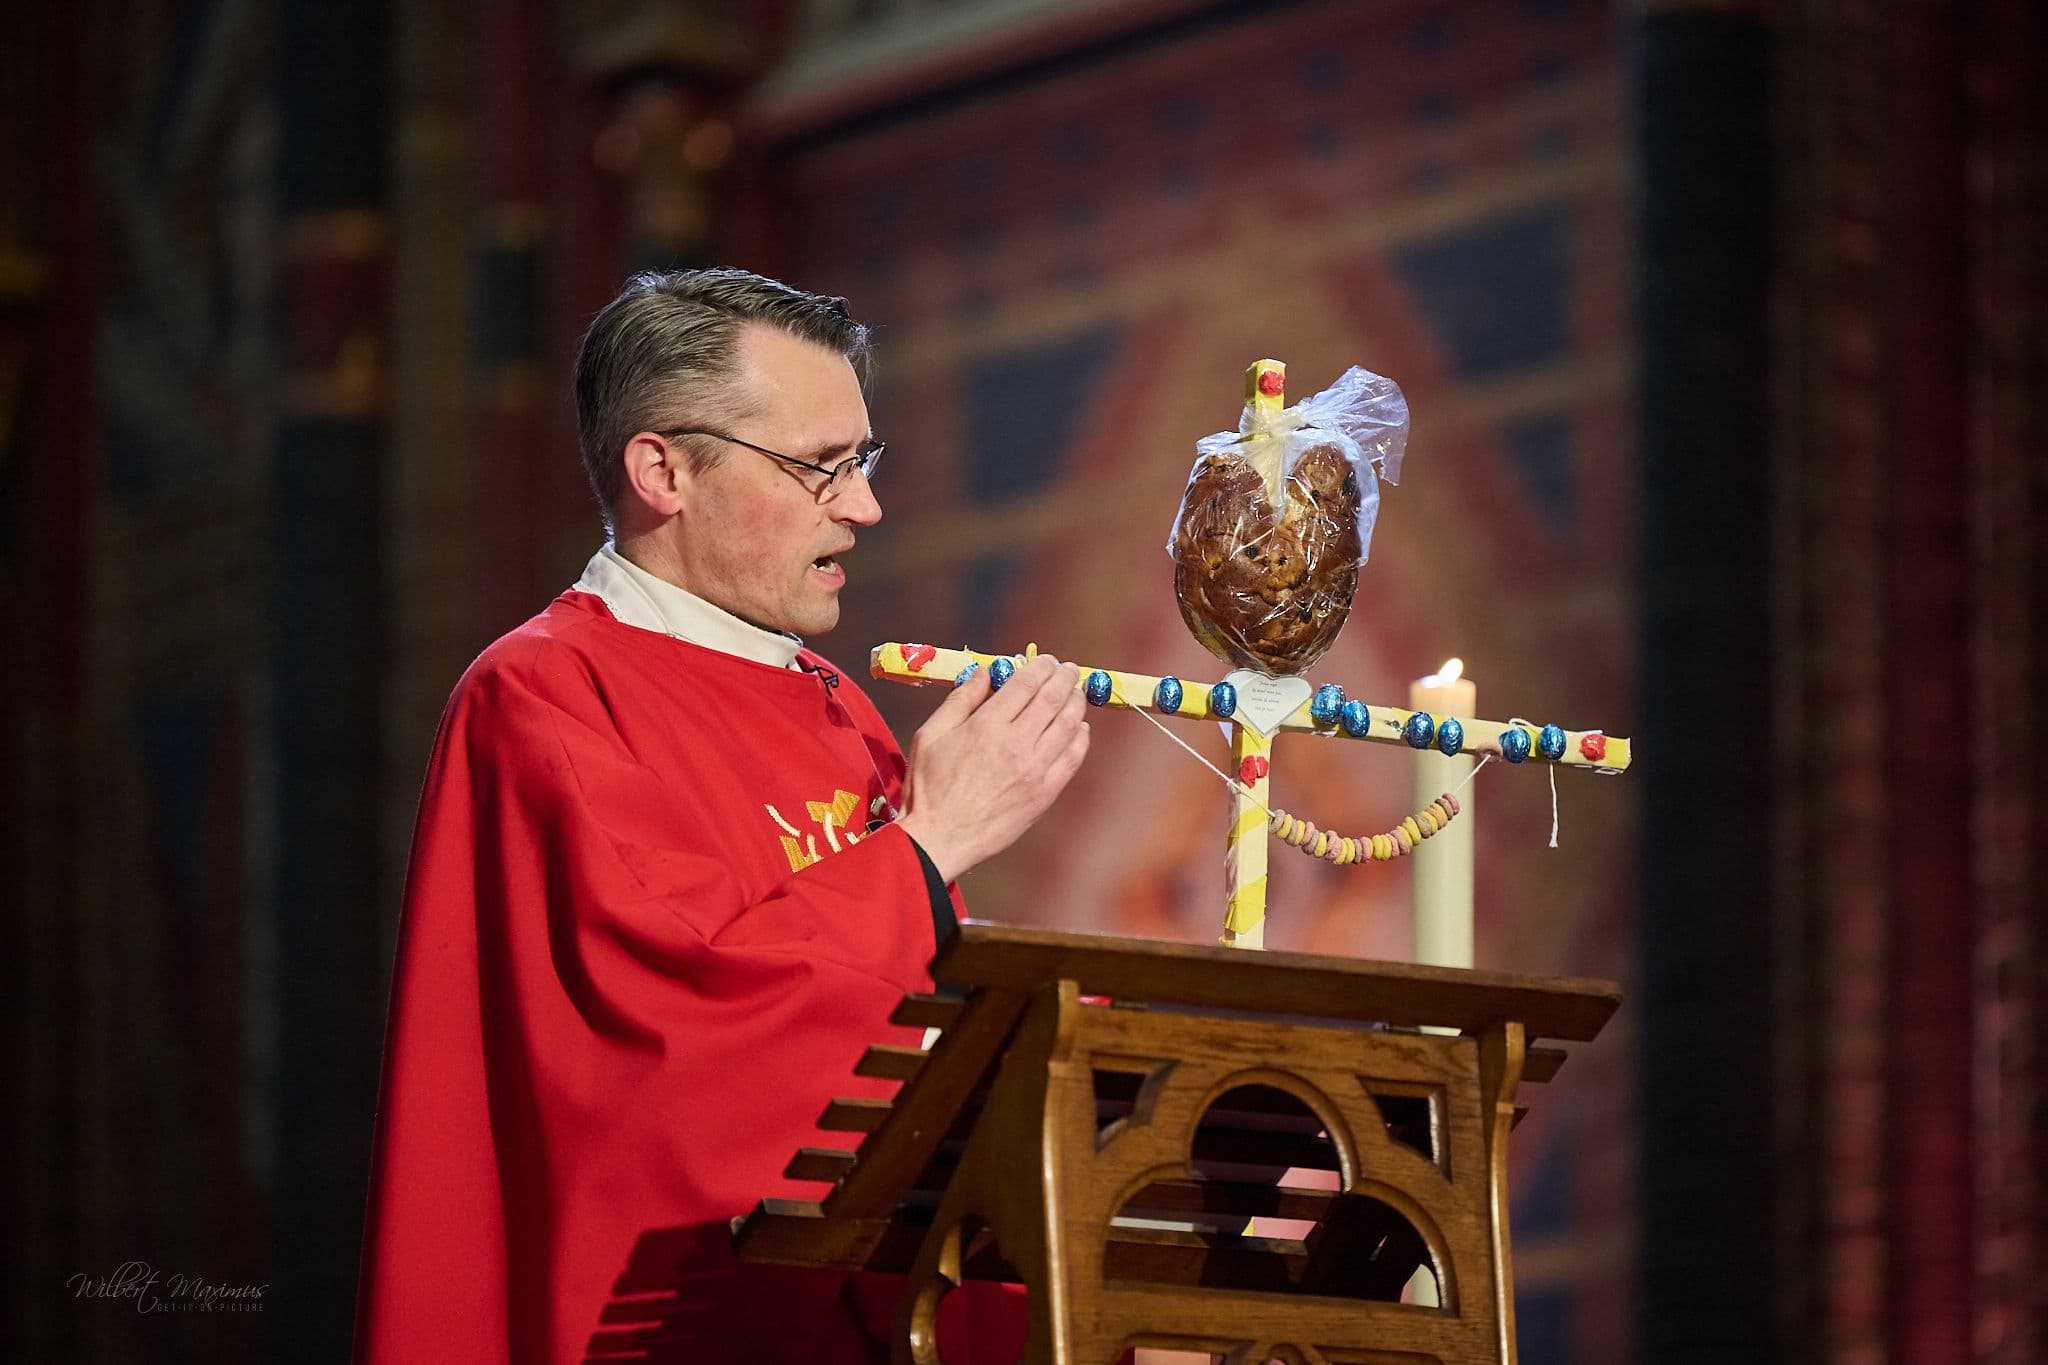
[1258, 708]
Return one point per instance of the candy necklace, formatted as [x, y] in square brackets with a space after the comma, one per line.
[1335, 849]
[1342, 851]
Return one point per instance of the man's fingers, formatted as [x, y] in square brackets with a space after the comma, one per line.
[1023, 685]
[1069, 762]
[989, 762]
[1066, 716]
[979, 695]
[1056, 695]
[958, 705]
[1077, 749]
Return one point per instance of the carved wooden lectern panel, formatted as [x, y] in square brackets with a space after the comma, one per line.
[1148, 1164]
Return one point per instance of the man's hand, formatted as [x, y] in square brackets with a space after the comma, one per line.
[988, 763]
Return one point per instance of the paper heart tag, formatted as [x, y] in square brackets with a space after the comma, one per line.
[1264, 702]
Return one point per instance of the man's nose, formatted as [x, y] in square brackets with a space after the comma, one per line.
[854, 501]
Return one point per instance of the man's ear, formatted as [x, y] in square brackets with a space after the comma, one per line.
[656, 475]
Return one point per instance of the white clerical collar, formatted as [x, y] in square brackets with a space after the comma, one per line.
[637, 598]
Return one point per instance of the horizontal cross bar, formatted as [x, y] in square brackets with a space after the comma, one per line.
[930, 665]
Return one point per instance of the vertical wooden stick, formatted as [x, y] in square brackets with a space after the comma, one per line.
[1244, 861]
[1265, 393]
[1244, 866]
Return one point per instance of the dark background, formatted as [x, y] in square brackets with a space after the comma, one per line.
[1723, 324]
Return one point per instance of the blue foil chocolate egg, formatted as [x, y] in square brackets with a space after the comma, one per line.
[1551, 742]
[1419, 729]
[1450, 736]
[999, 671]
[1357, 719]
[1514, 744]
[1222, 700]
[1324, 705]
[1168, 694]
[1096, 689]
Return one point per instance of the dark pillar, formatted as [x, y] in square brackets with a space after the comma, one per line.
[1703, 97]
[49, 462]
[326, 668]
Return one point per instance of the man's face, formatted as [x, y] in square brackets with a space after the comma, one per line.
[754, 539]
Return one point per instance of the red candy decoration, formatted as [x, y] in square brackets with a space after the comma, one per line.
[1594, 747]
[915, 657]
[1253, 768]
[1272, 383]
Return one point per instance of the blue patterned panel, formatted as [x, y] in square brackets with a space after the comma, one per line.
[1496, 292]
[984, 587]
[1541, 451]
[1324, 69]
[1021, 408]
[1431, 35]
[1434, 109]
[1182, 114]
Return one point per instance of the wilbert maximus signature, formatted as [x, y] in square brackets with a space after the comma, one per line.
[138, 1280]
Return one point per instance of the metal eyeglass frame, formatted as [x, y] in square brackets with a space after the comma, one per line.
[864, 458]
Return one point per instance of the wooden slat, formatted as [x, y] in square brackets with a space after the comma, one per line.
[1539, 1064]
[818, 1163]
[887, 1062]
[926, 1011]
[1019, 959]
[1227, 1199]
[1213, 1261]
[791, 1232]
[845, 1115]
[1248, 1107]
[926, 1112]
[1246, 1133]
[830, 1164]
[784, 1232]
[1217, 1139]
[794, 1232]
[1219, 1198]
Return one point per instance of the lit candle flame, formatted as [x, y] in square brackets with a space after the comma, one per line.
[1449, 672]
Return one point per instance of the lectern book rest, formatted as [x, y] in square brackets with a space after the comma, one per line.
[1193, 1147]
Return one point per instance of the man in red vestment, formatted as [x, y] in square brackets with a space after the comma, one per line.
[671, 874]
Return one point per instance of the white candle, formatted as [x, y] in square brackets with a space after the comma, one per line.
[1443, 864]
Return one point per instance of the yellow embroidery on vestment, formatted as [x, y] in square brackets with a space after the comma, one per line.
[832, 816]
[844, 804]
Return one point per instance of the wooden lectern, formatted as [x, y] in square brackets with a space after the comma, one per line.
[1108, 1122]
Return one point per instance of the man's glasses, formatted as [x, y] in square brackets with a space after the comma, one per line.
[865, 457]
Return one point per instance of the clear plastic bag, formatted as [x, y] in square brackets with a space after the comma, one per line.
[1278, 516]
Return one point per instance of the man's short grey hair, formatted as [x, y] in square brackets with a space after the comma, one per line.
[662, 353]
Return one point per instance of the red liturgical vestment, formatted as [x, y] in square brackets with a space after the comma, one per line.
[647, 934]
